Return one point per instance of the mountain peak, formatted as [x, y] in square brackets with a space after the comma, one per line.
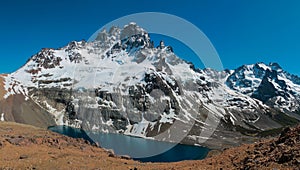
[116, 33]
[132, 29]
[121, 83]
[275, 66]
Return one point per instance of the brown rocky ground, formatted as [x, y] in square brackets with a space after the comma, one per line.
[28, 147]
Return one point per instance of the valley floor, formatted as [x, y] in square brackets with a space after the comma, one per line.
[28, 147]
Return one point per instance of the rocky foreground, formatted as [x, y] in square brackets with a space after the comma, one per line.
[27, 147]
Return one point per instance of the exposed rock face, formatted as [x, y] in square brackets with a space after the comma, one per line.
[121, 83]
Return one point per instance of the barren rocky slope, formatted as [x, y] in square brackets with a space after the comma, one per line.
[27, 147]
[21, 110]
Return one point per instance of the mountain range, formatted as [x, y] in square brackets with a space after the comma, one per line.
[121, 83]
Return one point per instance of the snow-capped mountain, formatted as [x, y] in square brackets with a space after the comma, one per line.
[269, 84]
[121, 83]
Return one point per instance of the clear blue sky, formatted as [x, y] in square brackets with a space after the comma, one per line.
[242, 31]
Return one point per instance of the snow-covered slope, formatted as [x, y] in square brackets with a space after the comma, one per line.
[121, 83]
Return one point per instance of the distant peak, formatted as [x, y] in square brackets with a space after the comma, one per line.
[261, 65]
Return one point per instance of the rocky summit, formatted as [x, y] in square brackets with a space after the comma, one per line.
[121, 83]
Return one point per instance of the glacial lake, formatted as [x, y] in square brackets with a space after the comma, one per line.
[144, 150]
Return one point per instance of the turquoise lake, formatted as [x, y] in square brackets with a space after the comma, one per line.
[144, 150]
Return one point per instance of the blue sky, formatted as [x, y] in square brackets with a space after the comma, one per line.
[242, 31]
